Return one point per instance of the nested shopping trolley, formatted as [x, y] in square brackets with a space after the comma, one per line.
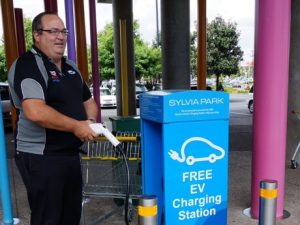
[104, 171]
[294, 160]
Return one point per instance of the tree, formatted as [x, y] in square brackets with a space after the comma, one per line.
[28, 33]
[148, 62]
[147, 58]
[223, 51]
[193, 52]
[28, 43]
[3, 69]
[106, 52]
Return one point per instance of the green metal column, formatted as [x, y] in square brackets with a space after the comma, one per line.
[124, 57]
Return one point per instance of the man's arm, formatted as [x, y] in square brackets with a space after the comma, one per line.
[37, 111]
[91, 109]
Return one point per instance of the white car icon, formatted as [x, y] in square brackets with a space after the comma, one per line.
[190, 160]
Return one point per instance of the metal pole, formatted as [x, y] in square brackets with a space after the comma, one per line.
[272, 45]
[147, 210]
[201, 46]
[124, 67]
[95, 59]
[157, 29]
[175, 43]
[70, 26]
[50, 5]
[10, 41]
[267, 202]
[20, 30]
[4, 181]
[82, 61]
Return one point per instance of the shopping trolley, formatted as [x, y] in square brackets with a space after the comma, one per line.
[294, 160]
[104, 172]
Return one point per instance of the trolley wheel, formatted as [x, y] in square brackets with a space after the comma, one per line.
[294, 164]
[119, 201]
[131, 213]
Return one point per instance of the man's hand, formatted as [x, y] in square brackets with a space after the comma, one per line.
[83, 131]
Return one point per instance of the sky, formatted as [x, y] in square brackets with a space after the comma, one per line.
[238, 11]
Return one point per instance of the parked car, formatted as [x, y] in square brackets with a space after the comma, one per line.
[5, 102]
[158, 87]
[139, 89]
[107, 99]
[250, 100]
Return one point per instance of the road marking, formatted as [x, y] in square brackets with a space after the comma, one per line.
[244, 114]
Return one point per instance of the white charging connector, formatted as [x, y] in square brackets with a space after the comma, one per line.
[98, 128]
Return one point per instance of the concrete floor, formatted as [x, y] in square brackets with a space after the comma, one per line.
[238, 197]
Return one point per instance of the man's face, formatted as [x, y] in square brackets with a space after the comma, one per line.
[53, 44]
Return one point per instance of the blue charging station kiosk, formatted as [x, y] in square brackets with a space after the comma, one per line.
[185, 155]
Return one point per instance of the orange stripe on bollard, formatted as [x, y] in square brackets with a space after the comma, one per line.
[265, 193]
[147, 211]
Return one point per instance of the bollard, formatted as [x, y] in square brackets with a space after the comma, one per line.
[147, 210]
[268, 202]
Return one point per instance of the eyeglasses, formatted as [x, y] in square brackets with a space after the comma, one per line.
[56, 32]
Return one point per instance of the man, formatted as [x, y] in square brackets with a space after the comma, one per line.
[54, 108]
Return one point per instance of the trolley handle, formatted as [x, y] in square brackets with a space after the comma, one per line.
[297, 112]
[119, 138]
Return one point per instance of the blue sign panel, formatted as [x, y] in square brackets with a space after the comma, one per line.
[172, 106]
[195, 172]
[188, 166]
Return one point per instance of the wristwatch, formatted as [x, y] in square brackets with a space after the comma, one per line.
[92, 120]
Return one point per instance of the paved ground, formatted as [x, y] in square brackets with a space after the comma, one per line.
[239, 187]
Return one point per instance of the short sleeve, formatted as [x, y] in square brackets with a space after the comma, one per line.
[31, 89]
[28, 81]
[86, 92]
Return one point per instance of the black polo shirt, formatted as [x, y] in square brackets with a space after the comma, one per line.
[35, 76]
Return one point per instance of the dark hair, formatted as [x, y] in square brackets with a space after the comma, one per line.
[37, 22]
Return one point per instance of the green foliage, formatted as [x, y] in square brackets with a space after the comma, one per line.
[89, 58]
[28, 43]
[147, 58]
[28, 33]
[106, 52]
[147, 62]
[193, 53]
[236, 90]
[3, 69]
[223, 51]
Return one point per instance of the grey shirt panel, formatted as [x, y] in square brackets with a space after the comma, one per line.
[30, 137]
[32, 89]
[11, 77]
[40, 65]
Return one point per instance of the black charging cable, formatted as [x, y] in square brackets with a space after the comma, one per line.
[100, 129]
[125, 161]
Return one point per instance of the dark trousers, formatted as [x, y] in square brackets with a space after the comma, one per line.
[54, 188]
